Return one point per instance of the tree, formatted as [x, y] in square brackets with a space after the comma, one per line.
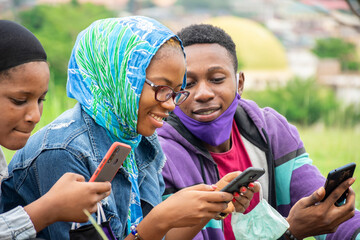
[339, 49]
[57, 28]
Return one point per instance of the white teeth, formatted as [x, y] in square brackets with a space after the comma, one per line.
[207, 112]
[159, 119]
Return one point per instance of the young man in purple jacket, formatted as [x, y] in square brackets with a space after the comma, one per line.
[215, 132]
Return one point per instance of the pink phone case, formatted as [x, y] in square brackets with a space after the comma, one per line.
[111, 163]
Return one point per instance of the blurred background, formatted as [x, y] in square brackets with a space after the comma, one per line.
[300, 57]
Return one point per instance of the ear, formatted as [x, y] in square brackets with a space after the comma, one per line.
[240, 80]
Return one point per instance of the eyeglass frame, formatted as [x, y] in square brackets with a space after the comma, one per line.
[156, 88]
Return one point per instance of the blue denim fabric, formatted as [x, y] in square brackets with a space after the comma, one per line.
[75, 143]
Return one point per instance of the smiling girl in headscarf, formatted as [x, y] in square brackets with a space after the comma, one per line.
[127, 75]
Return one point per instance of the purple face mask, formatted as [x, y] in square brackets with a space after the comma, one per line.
[215, 132]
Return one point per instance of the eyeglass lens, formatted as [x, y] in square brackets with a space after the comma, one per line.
[164, 93]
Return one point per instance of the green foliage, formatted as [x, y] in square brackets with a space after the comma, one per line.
[339, 49]
[305, 102]
[333, 147]
[57, 28]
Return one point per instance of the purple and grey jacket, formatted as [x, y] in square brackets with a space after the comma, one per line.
[271, 142]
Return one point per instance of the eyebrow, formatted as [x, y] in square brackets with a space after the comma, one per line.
[30, 93]
[215, 68]
[211, 69]
[167, 81]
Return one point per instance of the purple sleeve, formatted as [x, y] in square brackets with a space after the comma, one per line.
[347, 229]
[180, 170]
[304, 181]
[307, 179]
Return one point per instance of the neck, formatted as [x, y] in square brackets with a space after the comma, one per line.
[224, 147]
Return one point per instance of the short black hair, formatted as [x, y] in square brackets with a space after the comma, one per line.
[206, 33]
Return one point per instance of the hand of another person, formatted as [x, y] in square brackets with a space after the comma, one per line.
[310, 217]
[66, 200]
[193, 205]
[71, 194]
[241, 200]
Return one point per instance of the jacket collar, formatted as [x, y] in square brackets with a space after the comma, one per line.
[244, 122]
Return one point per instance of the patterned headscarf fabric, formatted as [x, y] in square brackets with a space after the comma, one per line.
[106, 74]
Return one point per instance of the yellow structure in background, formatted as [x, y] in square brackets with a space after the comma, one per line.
[257, 47]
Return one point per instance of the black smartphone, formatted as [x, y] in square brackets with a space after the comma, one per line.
[250, 174]
[335, 178]
[111, 163]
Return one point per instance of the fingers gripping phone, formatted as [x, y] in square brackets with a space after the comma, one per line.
[111, 163]
[250, 174]
[335, 178]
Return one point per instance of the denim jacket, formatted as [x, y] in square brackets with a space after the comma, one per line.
[75, 143]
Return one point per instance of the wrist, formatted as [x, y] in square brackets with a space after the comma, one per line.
[148, 230]
[135, 233]
[291, 232]
[289, 235]
[41, 213]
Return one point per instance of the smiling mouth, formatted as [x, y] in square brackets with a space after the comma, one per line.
[206, 112]
[157, 118]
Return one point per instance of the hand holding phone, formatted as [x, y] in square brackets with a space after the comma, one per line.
[335, 178]
[111, 163]
[250, 174]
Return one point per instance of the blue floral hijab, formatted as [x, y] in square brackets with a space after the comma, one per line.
[106, 75]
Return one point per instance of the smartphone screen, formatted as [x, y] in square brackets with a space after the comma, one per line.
[111, 163]
[336, 177]
[250, 174]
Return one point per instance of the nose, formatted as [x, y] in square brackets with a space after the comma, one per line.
[33, 113]
[169, 104]
[203, 92]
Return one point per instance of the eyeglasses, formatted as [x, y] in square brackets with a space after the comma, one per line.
[164, 93]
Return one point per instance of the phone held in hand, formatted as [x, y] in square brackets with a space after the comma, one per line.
[250, 174]
[335, 178]
[111, 163]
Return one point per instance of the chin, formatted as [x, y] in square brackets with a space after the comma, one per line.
[146, 132]
[14, 146]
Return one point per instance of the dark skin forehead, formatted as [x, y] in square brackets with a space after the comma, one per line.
[6, 74]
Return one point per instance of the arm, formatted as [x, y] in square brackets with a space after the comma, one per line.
[239, 203]
[299, 188]
[310, 217]
[66, 200]
[186, 208]
[36, 181]
[16, 224]
[296, 178]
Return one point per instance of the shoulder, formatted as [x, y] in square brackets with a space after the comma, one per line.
[262, 116]
[282, 136]
[67, 133]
